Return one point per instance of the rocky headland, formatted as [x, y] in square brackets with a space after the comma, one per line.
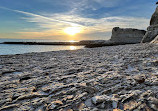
[122, 36]
[152, 30]
[127, 35]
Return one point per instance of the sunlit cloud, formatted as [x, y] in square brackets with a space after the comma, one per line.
[53, 25]
[88, 25]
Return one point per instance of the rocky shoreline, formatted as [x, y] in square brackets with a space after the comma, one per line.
[115, 78]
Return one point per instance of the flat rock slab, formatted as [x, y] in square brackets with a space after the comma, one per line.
[121, 77]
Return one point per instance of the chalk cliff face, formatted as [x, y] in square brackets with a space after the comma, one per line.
[152, 30]
[127, 35]
[154, 18]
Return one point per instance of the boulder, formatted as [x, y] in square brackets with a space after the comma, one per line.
[152, 30]
[139, 78]
[127, 35]
[100, 99]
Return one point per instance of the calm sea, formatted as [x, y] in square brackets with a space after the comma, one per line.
[8, 49]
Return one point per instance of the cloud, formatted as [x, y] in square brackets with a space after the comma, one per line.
[52, 25]
[39, 16]
[85, 8]
[91, 27]
[102, 24]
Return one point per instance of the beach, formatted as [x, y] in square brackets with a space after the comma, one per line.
[123, 77]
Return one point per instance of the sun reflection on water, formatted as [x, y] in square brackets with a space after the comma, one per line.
[73, 48]
[72, 41]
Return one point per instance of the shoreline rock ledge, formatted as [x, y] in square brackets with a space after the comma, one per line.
[152, 30]
[127, 35]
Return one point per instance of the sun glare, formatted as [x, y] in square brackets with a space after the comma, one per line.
[72, 48]
[72, 30]
[72, 41]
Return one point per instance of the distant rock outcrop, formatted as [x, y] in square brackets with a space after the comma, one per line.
[92, 41]
[127, 35]
[152, 30]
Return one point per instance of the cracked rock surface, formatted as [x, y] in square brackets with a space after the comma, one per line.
[98, 79]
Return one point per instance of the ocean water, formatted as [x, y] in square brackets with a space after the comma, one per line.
[9, 49]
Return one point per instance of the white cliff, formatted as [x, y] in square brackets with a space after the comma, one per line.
[152, 30]
[127, 35]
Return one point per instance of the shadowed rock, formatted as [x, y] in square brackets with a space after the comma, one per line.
[152, 30]
[155, 40]
[139, 79]
[127, 35]
[24, 78]
[154, 18]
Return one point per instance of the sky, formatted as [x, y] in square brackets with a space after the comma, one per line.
[71, 19]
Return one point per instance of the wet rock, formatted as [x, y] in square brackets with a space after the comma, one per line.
[146, 94]
[111, 90]
[5, 108]
[30, 96]
[69, 97]
[106, 102]
[153, 102]
[132, 105]
[68, 110]
[24, 78]
[8, 72]
[79, 107]
[14, 97]
[54, 105]
[155, 63]
[99, 99]
[139, 78]
[86, 88]
[46, 88]
[58, 102]
[51, 107]
[80, 97]
[131, 95]
[34, 89]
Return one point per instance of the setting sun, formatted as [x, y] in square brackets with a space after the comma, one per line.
[72, 30]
